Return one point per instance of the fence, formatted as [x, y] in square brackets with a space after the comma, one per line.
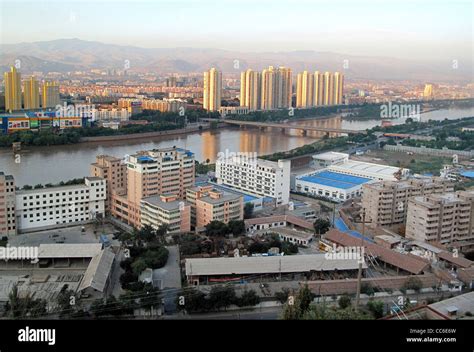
[429, 151]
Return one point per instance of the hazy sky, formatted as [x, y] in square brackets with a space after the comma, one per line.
[408, 29]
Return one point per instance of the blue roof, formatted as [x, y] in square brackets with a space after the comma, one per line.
[144, 158]
[341, 226]
[468, 173]
[336, 180]
[249, 198]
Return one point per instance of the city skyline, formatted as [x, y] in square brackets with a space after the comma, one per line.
[431, 30]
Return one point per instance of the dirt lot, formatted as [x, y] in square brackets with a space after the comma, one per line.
[417, 163]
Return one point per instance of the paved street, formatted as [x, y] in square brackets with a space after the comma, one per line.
[257, 314]
[168, 279]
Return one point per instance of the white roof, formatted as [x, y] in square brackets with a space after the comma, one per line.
[378, 170]
[98, 271]
[270, 264]
[330, 156]
[66, 250]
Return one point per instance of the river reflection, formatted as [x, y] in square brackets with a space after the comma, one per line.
[56, 163]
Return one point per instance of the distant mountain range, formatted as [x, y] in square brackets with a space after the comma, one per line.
[65, 55]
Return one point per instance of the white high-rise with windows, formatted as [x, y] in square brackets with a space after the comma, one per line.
[257, 177]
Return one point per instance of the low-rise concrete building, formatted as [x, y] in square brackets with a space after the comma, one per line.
[166, 210]
[209, 204]
[60, 205]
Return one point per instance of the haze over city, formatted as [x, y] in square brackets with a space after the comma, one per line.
[421, 29]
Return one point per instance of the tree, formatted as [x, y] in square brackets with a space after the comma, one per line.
[321, 226]
[216, 229]
[138, 266]
[221, 297]
[304, 298]
[344, 302]
[150, 297]
[146, 233]
[248, 210]
[127, 278]
[63, 301]
[248, 299]
[324, 312]
[366, 288]
[161, 232]
[291, 312]
[413, 283]
[282, 296]
[236, 227]
[192, 300]
[24, 307]
[376, 308]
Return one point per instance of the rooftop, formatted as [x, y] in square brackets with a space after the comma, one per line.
[279, 218]
[98, 271]
[460, 304]
[66, 250]
[335, 179]
[267, 265]
[406, 262]
[330, 156]
[361, 166]
[158, 202]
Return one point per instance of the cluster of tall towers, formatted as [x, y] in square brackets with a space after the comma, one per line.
[273, 89]
[319, 89]
[31, 92]
[267, 90]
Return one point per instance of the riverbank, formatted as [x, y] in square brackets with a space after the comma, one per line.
[120, 137]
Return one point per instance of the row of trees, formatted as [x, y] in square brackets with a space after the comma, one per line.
[74, 181]
[220, 229]
[192, 300]
[300, 307]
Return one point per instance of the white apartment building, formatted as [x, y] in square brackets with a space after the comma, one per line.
[47, 207]
[110, 114]
[257, 177]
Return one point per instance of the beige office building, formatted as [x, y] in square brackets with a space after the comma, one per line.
[386, 202]
[442, 218]
[12, 90]
[31, 96]
[152, 173]
[114, 171]
[209, 204]
[212, 90]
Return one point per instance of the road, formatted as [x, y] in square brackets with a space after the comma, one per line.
[258, 314]
[168, 279]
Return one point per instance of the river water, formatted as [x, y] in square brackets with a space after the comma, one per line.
[57, 163]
